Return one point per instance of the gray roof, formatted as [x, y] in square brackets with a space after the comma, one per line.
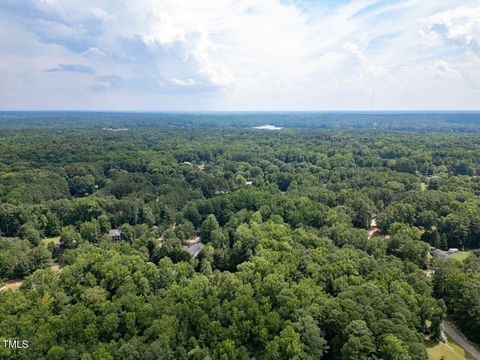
[440, 254]
[195, 249]
[114, 232]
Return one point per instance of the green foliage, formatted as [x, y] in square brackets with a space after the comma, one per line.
[18, 258]
[69, 237]
[459, 286]
[31, 234]
[127, 233]
[288, 270]
[392, 349]
[90, 230]
[209, 225]
[359, 341]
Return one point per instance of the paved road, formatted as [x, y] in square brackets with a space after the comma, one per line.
[457, 335]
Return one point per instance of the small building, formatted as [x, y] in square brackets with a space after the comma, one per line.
[195, 249]
[193, 246]
[453, 250]
[439, 254]
[115, 235]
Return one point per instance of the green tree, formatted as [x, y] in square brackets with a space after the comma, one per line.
[69, 237]
[360, 342]
[287, 345]
[128, 233]
[90, 231]
[104, 223]
[391, 348]
[32, 235]
[208, 226]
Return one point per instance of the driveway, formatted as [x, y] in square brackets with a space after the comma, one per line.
[458, 336]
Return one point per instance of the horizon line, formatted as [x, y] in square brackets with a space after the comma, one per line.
[128, 111]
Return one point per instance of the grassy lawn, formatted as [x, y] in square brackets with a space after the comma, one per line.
[449, 350]
[461, 255]
[55, 240]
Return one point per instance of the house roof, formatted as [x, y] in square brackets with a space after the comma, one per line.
[195, 249]
[440, 254]
[114, 232]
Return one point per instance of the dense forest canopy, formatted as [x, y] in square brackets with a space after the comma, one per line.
[290, 267]
[424, 121]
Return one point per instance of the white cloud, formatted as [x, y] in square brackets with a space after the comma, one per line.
[355, 51]
[94, 52]
[240, 54]
[459, 25]
[183, 82]
[443, 69]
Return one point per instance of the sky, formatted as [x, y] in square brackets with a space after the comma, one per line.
[239, 55]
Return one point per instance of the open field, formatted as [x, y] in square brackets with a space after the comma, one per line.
[461, 255]
[11, 285]
[53, 240]
[449, 350]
